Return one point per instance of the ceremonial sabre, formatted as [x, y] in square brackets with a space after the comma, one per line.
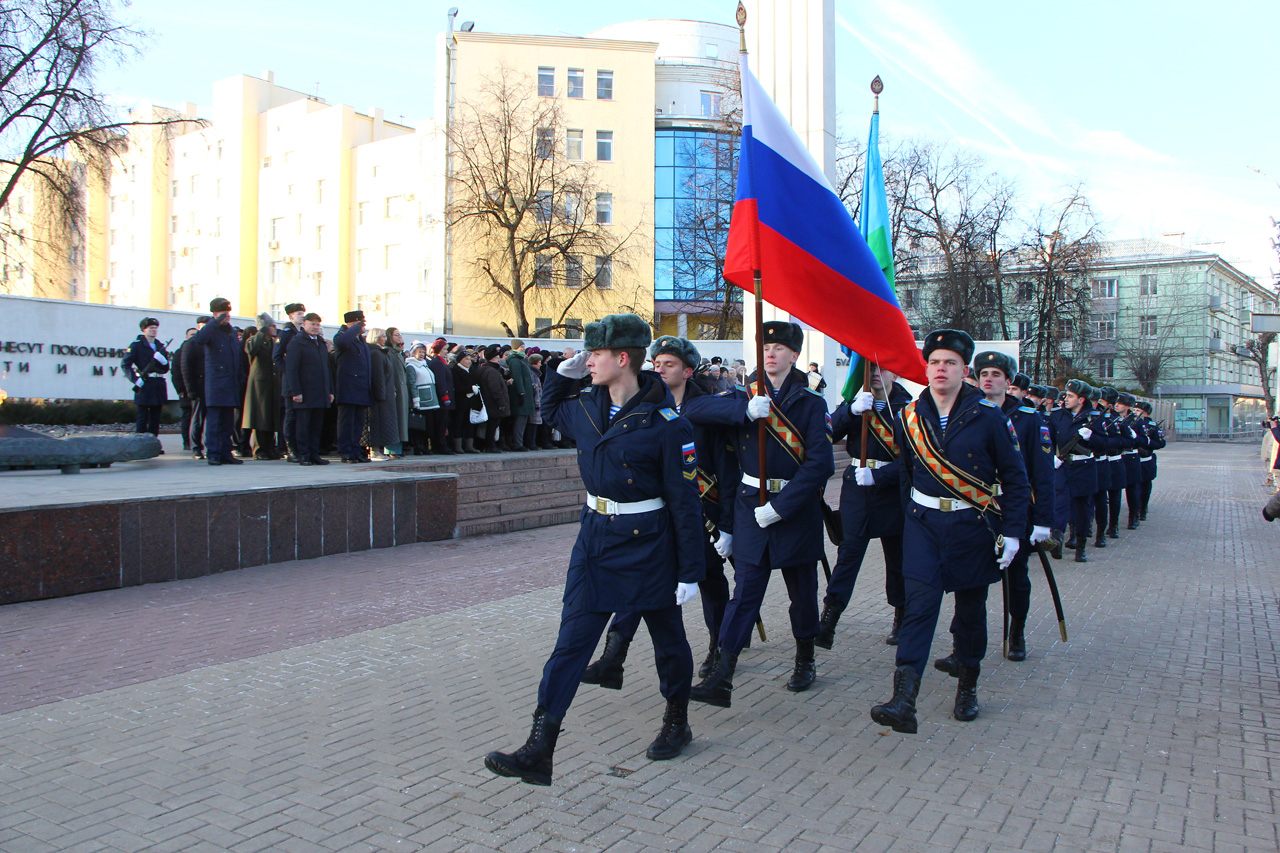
[1053, 589]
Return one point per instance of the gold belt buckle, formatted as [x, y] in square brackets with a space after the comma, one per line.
[944, 504]
[776, 485]
[602, 506]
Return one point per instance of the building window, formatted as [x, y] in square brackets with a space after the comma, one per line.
[573, 144]
[711, 104]
[360, 211]
[577, 83]
[1104, 326]
[319, 277]
[572, 271]
[546, 81]
[1066, 328]
[542, 206]
[389, 207]
[320, 191]
[713, 50]
[1148, 326]
[604, 208]
[362, 255]
[908, 299]
[275, 227]
[604, 273]
[75, 288]
[299, 223]
[173, 225]
[173, 260]
[542, 273]
[573, 327]
[604, 145]
[217, 226]
[111, 241]
[75, 254]
[541, 324]
[276, 270]
[173, 189]
[1026, 330]
[390, 256]
[319, 236]
[1106, 368]
[1147, 285]
[546, 143]
[391, 304]
[604, 85]
[1105, 288]
[217, 188]
[195, 182]
[572, 206]
[1026, 291]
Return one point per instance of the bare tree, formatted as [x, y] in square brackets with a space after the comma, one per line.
[1259, 354]
[533, 222]
[1165, 328]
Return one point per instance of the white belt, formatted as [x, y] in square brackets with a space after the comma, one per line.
[944, 504]
[775, 485]
[1080, 457]
[1115, 458]
[604, 506]
[871, 463]
[1128, 453]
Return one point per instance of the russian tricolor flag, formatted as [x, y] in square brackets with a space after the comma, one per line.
[789, 224]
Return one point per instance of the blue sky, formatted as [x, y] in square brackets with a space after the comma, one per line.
[1160, 108]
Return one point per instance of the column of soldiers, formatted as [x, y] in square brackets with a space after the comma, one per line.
[961, 486]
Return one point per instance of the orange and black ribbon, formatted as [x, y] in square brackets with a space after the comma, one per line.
[961, 484]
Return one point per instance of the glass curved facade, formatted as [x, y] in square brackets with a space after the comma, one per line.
[694, 184]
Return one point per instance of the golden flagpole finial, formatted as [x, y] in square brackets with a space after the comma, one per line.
[877, 86]
[742, 24]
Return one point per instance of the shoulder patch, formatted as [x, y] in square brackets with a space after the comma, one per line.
[669, 414]
[984, 401]
[690, 454]
[1013, 434]
[1045, 441]
[1027, 409]
[814, 392]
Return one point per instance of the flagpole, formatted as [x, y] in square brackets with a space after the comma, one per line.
[759, 293]
[877, 86]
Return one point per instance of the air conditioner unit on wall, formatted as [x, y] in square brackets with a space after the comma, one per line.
[105, 284]
[273, 245]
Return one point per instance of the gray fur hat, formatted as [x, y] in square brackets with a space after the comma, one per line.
[952, 340]
[1000, 361]
[679, 347]
[617, 331]
[790, 335]
[264, 320]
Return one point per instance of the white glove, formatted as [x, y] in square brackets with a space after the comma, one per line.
[1010, 551]
[576, 367]
[1057, 463]
[724, 545]
[861, 402]
[686, 592]
[159, 356]
[766, 515]
[757, 407]
[864, 476]
[1086, 433]
[1039, 534]
[139, 382]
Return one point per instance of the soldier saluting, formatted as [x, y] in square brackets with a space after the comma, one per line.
[956, 448]
[640, 545]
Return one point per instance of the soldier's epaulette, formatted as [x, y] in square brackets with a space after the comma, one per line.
[814, 391]
[587, 390]
[984, 401]
[724, 393]
[669, 414]
[1027, 409]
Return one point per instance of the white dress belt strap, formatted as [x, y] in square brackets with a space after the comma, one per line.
[604, 506]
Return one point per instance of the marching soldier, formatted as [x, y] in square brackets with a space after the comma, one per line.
[1076, 467]
[786, 533]
[957, 447]
[640, 544]
[1019, 385]
[1050, 401]
[1153, 440]
[145, 366]
[1128, 425]
[1101, 445]
[675, 360]
[867, 512]
[1119, 443]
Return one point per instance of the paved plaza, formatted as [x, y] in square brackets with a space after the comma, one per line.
[345, 704]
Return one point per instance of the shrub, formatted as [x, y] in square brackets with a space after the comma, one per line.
[73, 412]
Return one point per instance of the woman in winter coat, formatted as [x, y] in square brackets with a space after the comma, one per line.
[493, 390]
[426, 401]
[382, 429]
[400, 385]
[262, 396]
[466, 400]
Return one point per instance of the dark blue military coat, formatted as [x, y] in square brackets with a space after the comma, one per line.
[631, 562]
[980, 440]
[142, 362]
[1101, 444]
[1130, 444]
[717, 458]
[1081, 475]
[355, 370]
[1150, 439]
[1117, 442]
[1037, 456]
[307, 372]
[799, 538]
[870, 511]
[224, 374]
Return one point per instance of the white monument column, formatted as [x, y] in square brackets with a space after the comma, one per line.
[791, 48]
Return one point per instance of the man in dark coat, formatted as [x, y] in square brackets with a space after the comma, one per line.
[295, 311]
[355, 385]
[1153, 440]
[493, 391]
[786, 533]
[309, 385]
[1076, 470]
[180, 385]
[145, 366]
[640, 544]
[954, 538]
[1127, 424]
[223, 381]
[262, 408]
[867, 512]
[193, 379]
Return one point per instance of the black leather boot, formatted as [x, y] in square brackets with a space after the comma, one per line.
[675, 734]
[899, 713]
[949, 665]
[831, 610]
[892, 639]
[1080, 557]
[1133, 522]
[1100, 541]
[530, 763]
[1072, 539]
[709, 665]
[803, 675]
[607, 671]
[1017, 639]
[1055, 537]
[717, 688]
[1113, 532]
[967, 694]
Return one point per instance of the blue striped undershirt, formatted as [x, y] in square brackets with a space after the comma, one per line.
[943, 419]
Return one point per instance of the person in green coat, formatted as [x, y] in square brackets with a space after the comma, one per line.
[521, 393]
[400, 381]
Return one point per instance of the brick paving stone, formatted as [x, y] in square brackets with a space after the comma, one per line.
[345, 703]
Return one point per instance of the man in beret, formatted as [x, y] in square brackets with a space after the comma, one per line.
[145, 366]
[224, 378]
[675, 359]
[786, 531]
[957, 447]
[1076, 469]
[1153, 440]
[354, 391]
[295, 311]
[640, 545]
